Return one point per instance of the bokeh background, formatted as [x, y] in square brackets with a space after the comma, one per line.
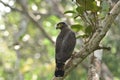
[27, 36]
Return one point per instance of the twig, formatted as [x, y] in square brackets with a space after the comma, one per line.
[12, 8]
[32, 18]
[106, 48]
[95, 40]
[92, 23]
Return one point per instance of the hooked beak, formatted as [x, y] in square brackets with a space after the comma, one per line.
[58, 26]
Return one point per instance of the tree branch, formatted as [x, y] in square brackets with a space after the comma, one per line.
[105, 48]
[93, 42]
[12, 8]
[34, 20]
[31, 16]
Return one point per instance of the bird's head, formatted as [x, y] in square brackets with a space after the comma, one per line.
[61, 25]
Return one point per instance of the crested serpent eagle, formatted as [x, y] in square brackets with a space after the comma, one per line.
[65, 44]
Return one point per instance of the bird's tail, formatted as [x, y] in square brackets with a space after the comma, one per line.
[59, 71]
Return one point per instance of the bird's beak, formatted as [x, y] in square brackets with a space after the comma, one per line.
[58, 26]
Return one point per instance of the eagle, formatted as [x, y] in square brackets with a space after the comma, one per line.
[64, 47]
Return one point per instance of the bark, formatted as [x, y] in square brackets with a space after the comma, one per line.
[89, 47]
[95, 65]
[93, 43]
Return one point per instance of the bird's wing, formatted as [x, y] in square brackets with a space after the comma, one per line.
[67, 46]
[58, 43]
[68, 43]
[58, 47]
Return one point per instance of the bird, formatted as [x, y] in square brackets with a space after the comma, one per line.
[65, 44]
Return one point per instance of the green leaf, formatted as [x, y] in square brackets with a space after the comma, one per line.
[84, 2]
[70, 11]
[90, 5]
[77, 27]
[82, 36]
[76, 16]
[80, 10]
[94, 7]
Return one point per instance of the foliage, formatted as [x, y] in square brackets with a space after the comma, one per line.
[26, 53]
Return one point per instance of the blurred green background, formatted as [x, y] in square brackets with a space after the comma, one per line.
[26, 53]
